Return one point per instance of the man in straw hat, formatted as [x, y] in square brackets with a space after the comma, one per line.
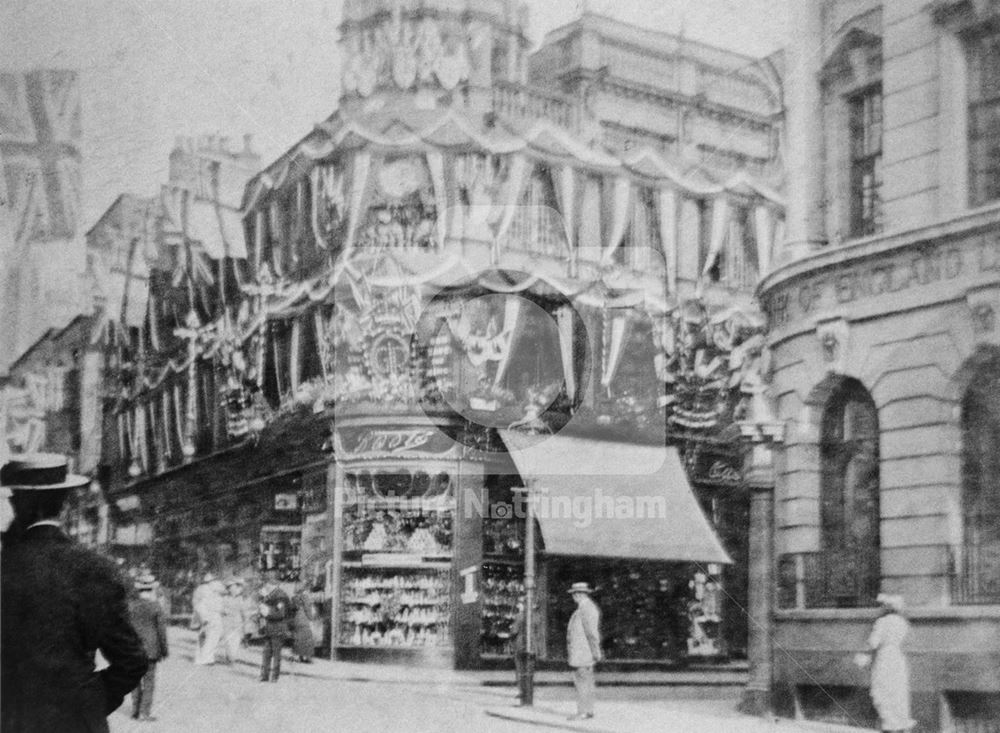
[583, 648]
[148, 619]
[61, 603]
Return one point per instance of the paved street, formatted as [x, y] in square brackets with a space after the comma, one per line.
[339, 696]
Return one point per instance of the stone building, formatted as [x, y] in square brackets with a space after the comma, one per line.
[476, 240]
[886, 358]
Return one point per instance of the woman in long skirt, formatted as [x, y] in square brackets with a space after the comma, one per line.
[890, 686]
[303, 644]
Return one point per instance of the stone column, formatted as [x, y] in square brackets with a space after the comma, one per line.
[804, 155]
[756, 699]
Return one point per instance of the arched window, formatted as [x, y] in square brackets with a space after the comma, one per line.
[981, 483]
[849, 497]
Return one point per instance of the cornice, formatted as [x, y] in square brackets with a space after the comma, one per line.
[973, 222]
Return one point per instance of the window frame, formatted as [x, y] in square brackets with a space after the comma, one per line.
[845, 557]
[976, 102]
[865, 217]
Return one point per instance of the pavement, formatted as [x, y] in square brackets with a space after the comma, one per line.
[346, 696]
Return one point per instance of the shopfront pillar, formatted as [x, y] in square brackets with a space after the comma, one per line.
[756, 699]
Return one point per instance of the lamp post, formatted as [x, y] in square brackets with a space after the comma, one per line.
[528, 690]
[761, 433]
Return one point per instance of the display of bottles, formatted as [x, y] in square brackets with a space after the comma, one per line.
[395, 607]
[398, 530]
[502, 588]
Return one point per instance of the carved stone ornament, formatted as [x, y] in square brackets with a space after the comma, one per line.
[983, 304]
[833, 338]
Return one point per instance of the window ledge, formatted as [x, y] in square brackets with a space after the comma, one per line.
[942, 613]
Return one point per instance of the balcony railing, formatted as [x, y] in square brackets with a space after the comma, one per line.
[976, 574]
[829, 579]
[521, 102]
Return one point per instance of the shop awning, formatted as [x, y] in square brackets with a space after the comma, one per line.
[603, 499]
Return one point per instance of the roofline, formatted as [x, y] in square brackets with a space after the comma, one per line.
[687, 41]
[50, 334]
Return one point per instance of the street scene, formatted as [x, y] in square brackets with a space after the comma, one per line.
[354, 696]
[593, 365]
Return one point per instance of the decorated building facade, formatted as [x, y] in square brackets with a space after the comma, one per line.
[458, 261]
[884, 367]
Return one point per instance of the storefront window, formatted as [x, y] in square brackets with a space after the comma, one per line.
[397, 529]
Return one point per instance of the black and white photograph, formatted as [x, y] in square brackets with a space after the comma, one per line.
[613, 366]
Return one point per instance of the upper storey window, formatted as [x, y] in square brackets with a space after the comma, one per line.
[852, 109]
[865, 119]
[984, 119]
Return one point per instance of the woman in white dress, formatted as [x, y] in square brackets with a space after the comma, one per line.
[890, 685]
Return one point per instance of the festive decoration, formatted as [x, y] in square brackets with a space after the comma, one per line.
[402, 53]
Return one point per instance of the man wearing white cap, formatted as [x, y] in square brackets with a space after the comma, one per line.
[61, 603]
[583, 648]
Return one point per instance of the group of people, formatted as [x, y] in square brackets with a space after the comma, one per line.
[226, 618]
[62, 603]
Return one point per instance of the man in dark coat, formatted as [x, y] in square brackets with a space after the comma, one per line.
[60, 603]
[147, 618]
[274, 609]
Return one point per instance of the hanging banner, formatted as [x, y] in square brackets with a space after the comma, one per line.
[764, 230]
[359, 182]
[667, 215]
[564, 318]
[619, 217]
[720, 226]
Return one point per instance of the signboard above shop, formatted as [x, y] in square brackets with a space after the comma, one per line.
[365, 442]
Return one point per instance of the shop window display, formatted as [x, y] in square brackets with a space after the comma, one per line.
[395, 607]
[647, 608]
[397, 559]
[502, 587]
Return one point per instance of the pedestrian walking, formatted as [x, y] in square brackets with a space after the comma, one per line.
[233, 621]
[61, 604]
[303, 642]
[147, 616]
[209, 611]
[583, 648]
[274, 608]
[890, 676]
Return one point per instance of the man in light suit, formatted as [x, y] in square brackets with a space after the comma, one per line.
[60, 603]
[583, 648]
